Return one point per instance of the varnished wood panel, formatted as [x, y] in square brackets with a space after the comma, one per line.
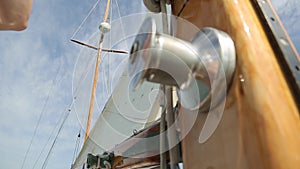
[260, 126]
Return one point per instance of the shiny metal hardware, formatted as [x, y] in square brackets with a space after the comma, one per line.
[104, 27]
[154, 5]
[201, 69]
[100, 161]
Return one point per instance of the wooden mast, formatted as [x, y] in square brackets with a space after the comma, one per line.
[260, 121]
[260, 125]
[88, 126]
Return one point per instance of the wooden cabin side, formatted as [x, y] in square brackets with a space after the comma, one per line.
[260, 125]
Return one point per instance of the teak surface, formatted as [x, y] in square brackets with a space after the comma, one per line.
[260, 125]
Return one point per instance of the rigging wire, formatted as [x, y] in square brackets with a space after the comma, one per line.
[49, 138]
[84, 20]
[96, 74]
[77, 89]
[40, 116]
[68, 112]
[104, 73]
[80, 26]
[110, 39]
[107, 78]
[76, 146]
[121, 23]
[46, 101]
[104, 79]
[83, 76]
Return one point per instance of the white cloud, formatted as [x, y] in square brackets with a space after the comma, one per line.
[29, 62]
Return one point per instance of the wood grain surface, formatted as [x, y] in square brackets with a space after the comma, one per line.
[260, 127]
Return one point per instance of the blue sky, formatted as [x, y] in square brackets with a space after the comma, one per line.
[289, 12]
[38, 63]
